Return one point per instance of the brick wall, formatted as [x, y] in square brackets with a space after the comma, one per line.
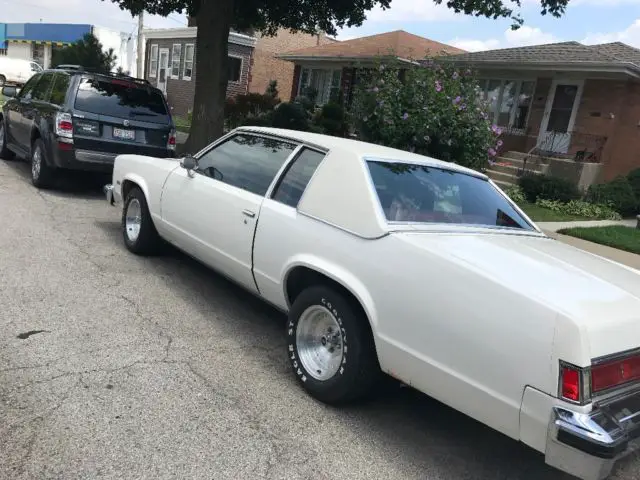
[267, 67]
[180, 92]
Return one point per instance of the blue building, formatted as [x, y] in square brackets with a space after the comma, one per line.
[36, 41]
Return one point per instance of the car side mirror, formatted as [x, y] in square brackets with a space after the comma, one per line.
[9, 91]
[189, 162]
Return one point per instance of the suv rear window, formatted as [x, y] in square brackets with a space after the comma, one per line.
[119, 98]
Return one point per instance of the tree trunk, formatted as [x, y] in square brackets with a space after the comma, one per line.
[214, 23]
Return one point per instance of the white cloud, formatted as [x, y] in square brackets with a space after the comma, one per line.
[93, 12]
[630, 36]
[412, 11]
[511, 38]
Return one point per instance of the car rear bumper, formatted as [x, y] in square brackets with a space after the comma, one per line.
[587, 445]
[92, 160]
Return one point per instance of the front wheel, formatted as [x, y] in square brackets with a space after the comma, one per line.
[5, 153]
[139, 232]
[330, 346]
[42, 174]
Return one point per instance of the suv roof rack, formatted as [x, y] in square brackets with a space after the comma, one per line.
[80, 68]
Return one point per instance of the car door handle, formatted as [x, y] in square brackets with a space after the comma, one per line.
[249, 213]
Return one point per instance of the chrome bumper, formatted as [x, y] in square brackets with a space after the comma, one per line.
[587, 445]
[108, 191]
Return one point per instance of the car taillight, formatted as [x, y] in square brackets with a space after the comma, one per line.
[171, 143]
[615, 373]
[64, 125]
[570, 383]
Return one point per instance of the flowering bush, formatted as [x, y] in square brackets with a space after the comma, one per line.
[432, 110]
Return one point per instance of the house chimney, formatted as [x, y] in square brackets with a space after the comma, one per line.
[191, 21]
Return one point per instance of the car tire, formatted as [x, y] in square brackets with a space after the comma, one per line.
[139, 232]
[3, 80]
[322, 319]
[42, 174]
[5, 153]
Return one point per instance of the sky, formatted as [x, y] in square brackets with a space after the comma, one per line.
[586, 21]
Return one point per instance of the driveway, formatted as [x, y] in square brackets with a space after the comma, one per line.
[120, 367]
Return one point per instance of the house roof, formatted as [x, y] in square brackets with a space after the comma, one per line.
[614, 55]
[398, 44]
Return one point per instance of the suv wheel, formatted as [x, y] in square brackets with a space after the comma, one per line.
[3, 80]
[4, 151]
[42, 174]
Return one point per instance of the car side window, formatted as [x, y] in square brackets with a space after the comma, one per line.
[295, 179]
[59, 90]
[41, 91]
[27, 90]
[246, 161]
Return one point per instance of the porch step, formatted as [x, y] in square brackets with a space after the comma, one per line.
[502, 178]
[502, 185]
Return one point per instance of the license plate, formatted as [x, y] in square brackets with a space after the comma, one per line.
[124, 134]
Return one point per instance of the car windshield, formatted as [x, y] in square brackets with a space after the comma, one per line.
[120, 98]
[422, 194]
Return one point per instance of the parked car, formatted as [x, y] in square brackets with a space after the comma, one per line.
[71, 119]
[388, 261]
[16, 71]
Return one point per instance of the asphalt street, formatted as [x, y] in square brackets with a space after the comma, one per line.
[114, 366]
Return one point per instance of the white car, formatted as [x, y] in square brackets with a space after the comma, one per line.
[388, 261]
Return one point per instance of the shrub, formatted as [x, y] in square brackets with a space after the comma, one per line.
[291, 116]
[515, 193]
[617, 194]
[431, 110]
[535, 186]
[331, 120]
[634, 180]
[580, 208]
[251, 105]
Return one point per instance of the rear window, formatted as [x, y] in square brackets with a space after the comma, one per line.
[119, 98]
[421, 194]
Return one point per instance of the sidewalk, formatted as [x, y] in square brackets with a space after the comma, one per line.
[555, 226]
[620, 256]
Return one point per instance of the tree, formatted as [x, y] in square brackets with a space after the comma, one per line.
[87, 52]
[215, 19]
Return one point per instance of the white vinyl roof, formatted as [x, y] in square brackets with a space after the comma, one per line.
[341, 192]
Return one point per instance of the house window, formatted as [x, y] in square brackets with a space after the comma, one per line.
[320, 85]
[187, 73]
[234, 64]
[153, 61]
[175, 60]
[509, 101]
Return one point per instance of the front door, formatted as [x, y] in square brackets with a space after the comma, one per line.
[559, 116]
[212, 212]
[163, 69]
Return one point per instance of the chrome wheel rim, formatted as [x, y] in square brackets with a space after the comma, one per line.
[36, 163]
[319, 342]
[133, 220]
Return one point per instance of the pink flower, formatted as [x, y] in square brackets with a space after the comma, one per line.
[492, 152]
[376, 89]
[499, 143]
[438, 86]
[496, 129]
[457, 100]
[455, 75]
[405, 116]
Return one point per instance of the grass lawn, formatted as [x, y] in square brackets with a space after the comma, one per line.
[616, 236]
[541, 214]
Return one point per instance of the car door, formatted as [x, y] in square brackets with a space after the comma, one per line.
[15, 124]
[39, 99]
[212, 212]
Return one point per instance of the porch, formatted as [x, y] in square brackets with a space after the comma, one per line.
[552, 125]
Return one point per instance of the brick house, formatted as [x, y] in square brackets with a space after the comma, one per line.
[170, 64]
[331, 70]
[252, 62]
[571, 110]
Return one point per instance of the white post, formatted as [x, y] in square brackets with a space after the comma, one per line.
[140, 54]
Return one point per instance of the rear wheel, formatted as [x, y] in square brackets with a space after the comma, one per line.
[139, 232]
[330, 346]
[42, 174]
[3, 80]
[5, 153]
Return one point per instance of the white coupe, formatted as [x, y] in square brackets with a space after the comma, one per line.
[387, 261]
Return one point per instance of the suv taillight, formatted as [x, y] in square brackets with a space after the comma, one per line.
[64, 125]
[171, 143]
